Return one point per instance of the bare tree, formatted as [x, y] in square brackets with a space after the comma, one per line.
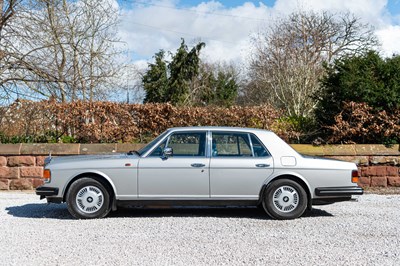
[289, 56]
[8, 59]
[65, 49]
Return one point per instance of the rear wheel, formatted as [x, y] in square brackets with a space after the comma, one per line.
[285, 199]
[87, 198]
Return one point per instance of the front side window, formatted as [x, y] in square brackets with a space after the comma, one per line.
[183, 144]
[151, 144]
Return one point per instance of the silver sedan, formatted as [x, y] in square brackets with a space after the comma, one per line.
[204, 166]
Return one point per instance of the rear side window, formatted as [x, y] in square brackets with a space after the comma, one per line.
[237, 145]
[231, 145]
[258, 148]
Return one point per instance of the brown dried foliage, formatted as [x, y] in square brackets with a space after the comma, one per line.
[115, 122]
[359, 123]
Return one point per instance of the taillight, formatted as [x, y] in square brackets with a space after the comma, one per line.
[46, 175]
[354, 176]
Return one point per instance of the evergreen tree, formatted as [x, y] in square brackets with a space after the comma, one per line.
[183, 68]
[218, 85]
[187, 81]
[155, 81]
[367, 78]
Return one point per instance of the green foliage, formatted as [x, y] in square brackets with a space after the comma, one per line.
[155, 81]
[67, 139]
[300, 129]
[186, 81]
[183, 68]
[46, 137]
[172, 81]
[367, 78]
[219, 86]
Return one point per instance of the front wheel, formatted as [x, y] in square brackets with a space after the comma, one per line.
[285, 199]
[87, 198]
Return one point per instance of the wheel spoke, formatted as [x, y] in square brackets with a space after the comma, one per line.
[285, 199]
[89, 199]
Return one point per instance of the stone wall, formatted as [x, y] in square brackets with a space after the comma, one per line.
[21, 165]
[379, 166]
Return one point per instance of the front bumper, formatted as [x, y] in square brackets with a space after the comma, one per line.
[49, 193]
[43, 191]
[338, 191]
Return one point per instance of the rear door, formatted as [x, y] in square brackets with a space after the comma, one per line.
[239, 165]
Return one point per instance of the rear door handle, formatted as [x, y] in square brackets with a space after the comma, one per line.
[197, 165]
[262, 165]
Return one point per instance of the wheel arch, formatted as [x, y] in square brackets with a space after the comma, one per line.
[292, 177]
[103, 179]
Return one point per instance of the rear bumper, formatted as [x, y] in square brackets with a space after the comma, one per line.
[338, 191]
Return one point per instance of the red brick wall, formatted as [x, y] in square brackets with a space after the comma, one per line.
[379, 166]
[20, 172]
[380, 176]
[21, 165]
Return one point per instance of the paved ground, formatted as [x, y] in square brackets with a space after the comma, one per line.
[350, 233]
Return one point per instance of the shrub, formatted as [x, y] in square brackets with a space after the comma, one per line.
[360, 123]
[49, 121]
[367, 78]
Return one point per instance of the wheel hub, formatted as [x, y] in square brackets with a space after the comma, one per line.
[285, 199]
[89, 199]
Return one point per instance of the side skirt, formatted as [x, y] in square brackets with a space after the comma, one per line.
[177, 203]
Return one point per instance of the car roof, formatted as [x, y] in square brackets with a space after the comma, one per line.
[217, 128]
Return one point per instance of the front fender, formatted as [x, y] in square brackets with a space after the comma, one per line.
[86, 173]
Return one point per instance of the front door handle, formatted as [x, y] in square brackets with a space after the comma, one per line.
[262, 165]
[197, 165]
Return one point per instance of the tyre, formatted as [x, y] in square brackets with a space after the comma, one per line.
[285, 199]
[87, 198]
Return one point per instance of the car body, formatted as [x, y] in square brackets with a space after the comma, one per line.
[204, 166]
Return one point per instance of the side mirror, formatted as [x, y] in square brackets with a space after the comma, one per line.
[167, 152]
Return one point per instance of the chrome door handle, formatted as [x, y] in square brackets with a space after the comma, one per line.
[262, 165]
[197, 165]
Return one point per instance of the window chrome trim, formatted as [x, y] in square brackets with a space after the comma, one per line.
[209, 144]
[251, 145]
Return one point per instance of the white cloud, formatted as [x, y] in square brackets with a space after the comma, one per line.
[389, 37]
[150, 28]
[147, 28]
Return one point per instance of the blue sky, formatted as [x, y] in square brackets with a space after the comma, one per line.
[392, 5]
[227, 3]
[227, 26]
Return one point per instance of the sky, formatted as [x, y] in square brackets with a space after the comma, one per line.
[227, 26]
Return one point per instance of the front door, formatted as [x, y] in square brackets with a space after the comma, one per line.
[185, 174]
